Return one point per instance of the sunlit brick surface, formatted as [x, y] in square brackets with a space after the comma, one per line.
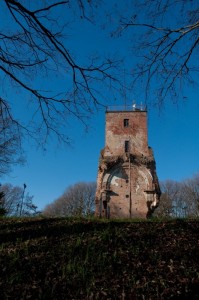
[127, 184]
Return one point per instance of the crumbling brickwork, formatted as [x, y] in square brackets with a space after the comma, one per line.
[127, 184]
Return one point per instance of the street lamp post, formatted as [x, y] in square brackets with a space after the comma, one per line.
[22, 198]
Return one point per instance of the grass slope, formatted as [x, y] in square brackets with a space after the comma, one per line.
[84, 259]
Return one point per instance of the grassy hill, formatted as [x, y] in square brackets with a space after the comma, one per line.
[93, 259]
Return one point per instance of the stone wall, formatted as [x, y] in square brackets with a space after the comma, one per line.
[117, 133]
[127, 184]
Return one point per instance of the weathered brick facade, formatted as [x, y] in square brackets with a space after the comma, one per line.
[127, 184]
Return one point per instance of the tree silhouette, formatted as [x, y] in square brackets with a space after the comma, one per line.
[78, 200]
[2, 209]
[166, 39]
[15, 202]
[10, 143]
[33, 46]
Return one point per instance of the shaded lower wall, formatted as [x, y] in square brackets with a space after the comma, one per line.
[127, 187]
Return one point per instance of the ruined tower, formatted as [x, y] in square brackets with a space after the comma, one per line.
[127, 184]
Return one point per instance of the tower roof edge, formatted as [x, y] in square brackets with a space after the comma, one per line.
[127, 108]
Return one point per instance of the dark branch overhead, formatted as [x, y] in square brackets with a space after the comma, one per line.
[35, 46]
[166, 46]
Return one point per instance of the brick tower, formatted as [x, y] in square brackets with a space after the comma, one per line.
[127, 184]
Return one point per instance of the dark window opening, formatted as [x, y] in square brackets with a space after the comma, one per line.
[126, 146]
[105, 204]
[127, 196]
[126, 122]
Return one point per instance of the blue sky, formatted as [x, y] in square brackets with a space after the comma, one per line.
[172, 132]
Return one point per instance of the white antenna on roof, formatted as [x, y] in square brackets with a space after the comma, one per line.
[134, 105]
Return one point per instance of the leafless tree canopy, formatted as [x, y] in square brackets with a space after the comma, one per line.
[166, 34]
[33, 52]
[45, 81]
[10, 143]
[78, 200]
[179, 199]
[37, 62]
[16, 202]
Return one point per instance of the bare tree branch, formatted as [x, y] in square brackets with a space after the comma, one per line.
[35, 45]
[77, 200]
[167, 47]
